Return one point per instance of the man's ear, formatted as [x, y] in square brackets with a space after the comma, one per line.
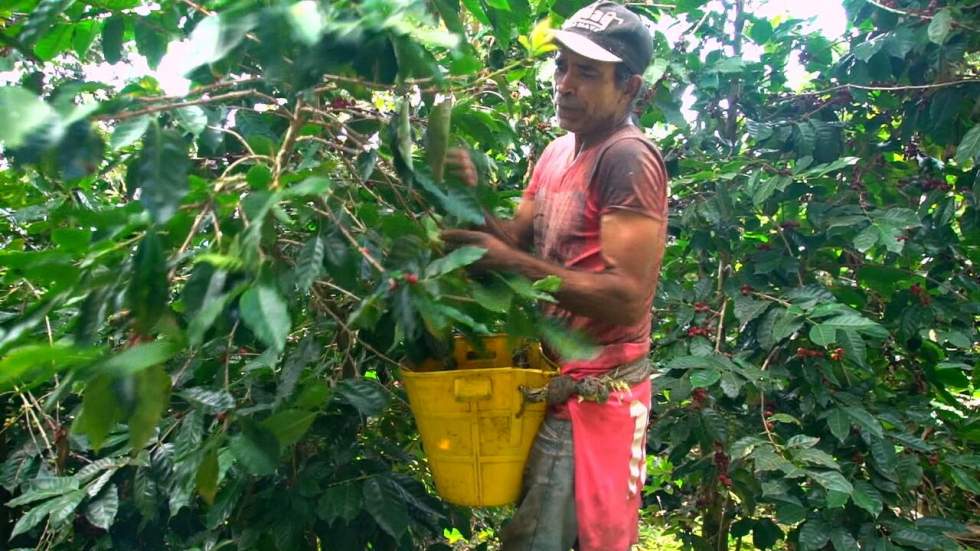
[633, 85]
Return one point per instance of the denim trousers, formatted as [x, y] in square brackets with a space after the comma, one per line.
[545, 516]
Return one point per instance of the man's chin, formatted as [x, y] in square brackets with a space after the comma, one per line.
[567, 125]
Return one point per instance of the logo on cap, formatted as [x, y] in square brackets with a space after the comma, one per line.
[594, 20]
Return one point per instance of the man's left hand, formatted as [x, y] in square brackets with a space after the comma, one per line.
[498, 253]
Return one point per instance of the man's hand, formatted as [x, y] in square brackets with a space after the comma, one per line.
[460, 165]
[499, 255]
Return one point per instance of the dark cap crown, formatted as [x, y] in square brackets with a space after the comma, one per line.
[616, 29]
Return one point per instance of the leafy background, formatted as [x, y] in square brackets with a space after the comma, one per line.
[209, 293]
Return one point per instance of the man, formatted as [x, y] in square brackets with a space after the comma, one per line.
[595, 215]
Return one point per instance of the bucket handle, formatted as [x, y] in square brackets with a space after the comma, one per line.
[469, 389]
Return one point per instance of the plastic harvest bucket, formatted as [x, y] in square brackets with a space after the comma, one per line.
[474, 430]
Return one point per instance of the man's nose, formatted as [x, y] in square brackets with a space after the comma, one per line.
[563, 84]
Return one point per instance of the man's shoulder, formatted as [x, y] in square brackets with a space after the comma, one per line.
[630, 145]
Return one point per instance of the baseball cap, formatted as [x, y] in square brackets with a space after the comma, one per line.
[606, 31]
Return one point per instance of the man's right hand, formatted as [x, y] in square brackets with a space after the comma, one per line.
[460, 165]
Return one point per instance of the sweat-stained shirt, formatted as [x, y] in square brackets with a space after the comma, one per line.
[625, 172]
[571, 194]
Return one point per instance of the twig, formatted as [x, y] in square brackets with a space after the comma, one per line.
[350, 238]
[287, 144]
[200, 90]
[190, 236]
[157, 108]
[890, 88]
[353, 333]
[721, 325]
[898, 11]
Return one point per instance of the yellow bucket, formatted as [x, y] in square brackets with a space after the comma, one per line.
[474, 431]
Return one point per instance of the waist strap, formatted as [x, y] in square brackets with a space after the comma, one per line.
[592, 388]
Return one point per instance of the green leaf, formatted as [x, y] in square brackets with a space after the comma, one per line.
[463, 256]
[192, 119]
[139, 357]
[101, 512]
[883, 454]
[128, 131]
[867, 497]
[867, 50]
[21, 112]
[386, 505]
[747, 308]
[822, 335]
[214, 37]
[58, 508]
[100, 410]
[843, 541]
[831, 480]
[567, 343]
[704, 378]
[152, 397]
[213, 400]
[314, 186]
[83, 36]
[867, 238]
[839, 423]
[309, 265]
[969, 148]
[493, 295]
[918, 539]
[865, 420]
[161, 172]
[306, 21]
[44, 488]
[206, 479]
[369, 397]
[815, 456]
[940, 26]
[814, 535]
[854, 346]
[36, 362]
[55, 41]
[112, 38]
[289, 425]
[148, 290]
[965, 480]
[437, 137]
[548, 284]
[256, 448]
[341, 501]
[265, 313]
[150, 42]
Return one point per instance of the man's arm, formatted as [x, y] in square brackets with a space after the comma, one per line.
[516, 232]
[632, 246]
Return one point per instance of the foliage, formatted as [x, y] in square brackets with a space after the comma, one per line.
[209, 292]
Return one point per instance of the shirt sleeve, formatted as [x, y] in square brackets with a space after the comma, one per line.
[631, 176]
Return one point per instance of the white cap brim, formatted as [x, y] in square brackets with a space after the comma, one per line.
[585, 47]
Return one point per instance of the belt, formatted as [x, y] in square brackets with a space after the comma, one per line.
[591, 388]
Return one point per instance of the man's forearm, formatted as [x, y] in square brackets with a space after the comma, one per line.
[604, 296]
[505, 230]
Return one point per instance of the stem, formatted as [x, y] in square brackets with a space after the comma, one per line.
[287, 143]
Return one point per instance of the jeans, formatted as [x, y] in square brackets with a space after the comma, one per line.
[545, 517]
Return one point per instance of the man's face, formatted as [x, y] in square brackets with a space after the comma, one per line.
[587, 99]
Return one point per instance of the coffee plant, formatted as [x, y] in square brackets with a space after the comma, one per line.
[211, 291]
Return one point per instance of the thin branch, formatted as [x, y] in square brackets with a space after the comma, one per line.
[287, 144]
[171, 106]
[200, 90]
[889, 88]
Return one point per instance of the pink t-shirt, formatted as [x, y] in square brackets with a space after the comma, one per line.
[571, 194]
